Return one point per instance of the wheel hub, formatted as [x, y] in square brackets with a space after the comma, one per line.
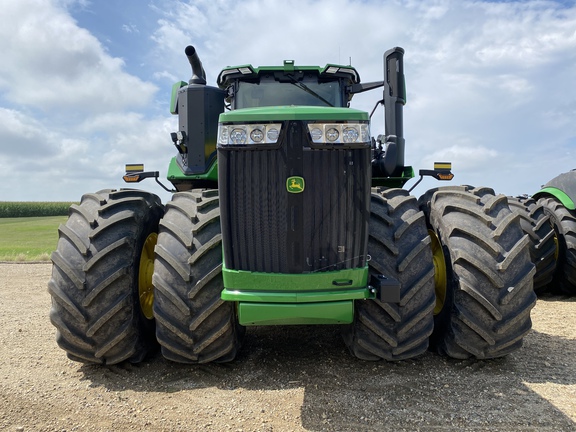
[557, 245]
[145, 272]
[440, 273]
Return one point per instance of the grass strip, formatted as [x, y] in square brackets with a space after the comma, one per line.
[29, 238]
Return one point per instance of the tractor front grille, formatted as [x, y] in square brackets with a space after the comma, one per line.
[267, 229]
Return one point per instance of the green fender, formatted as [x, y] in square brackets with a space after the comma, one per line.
[563, 188]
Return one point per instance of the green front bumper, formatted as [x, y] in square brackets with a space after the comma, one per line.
[313, 298]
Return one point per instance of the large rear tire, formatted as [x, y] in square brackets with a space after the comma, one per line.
[193, 325]
[488, 275]
[399, 248]
[564, 225]
[100, 284]
[535, 222]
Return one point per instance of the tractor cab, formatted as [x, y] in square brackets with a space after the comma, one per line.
[249, 87]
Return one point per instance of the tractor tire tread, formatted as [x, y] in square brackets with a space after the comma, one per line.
[398, 246]
[493, 274]
[193, 324]
[94, 308]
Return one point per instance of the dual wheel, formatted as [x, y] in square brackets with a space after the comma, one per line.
[484, 276]
[465, 271]
[129, 274]
[551, 228]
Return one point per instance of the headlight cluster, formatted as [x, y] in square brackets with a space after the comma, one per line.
[245, 134]
[339, 133]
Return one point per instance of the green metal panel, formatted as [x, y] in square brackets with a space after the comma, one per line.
[239, 280]
[174, 99]
[296, 297]
[176, 174]
[313, 298]
[263, 114]
[558, 194]
[394, 182]
[250, 314]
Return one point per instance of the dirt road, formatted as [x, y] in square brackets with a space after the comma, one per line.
[285, 379]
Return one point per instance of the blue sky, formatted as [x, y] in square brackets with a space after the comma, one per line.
[85, 85]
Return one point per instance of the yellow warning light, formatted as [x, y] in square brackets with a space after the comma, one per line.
[445, 176]
[444, 166]
[130, 168]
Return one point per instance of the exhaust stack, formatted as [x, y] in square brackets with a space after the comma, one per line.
[198, 74]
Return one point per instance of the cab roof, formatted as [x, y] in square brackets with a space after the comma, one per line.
[248, 72]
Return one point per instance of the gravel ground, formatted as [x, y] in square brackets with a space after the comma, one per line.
[285, 379]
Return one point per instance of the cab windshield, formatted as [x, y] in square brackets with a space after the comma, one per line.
[275, 93]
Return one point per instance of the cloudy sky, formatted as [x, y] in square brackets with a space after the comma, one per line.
[85, 85]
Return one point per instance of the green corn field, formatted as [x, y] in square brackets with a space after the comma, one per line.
[29, 230]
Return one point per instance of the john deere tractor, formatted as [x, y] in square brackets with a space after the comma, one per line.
[287, 212]
[549, 219]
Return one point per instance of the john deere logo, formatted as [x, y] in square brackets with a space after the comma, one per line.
[295, 184]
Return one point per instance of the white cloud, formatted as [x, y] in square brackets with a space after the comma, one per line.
[49, 63]
[464, 156]
[130, 28]
[21, 135]
[265, 33]
[66, 107]
[68, 166]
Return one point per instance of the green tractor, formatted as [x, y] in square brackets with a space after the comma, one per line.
[549, 219]
[287, 212]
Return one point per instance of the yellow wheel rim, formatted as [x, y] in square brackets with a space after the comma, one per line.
[440, 274]
[557, 250]
[145, 271]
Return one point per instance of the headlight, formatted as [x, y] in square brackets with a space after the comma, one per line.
[350, 134]
[332, 135]
[238, 136]
[339, 133]
[246, 134]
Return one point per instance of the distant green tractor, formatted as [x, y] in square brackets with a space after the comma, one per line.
[549, 218]
[287, 212]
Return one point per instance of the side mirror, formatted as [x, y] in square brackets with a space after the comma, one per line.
[394, 100]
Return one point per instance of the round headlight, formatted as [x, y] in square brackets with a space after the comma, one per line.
[272, 134]
[332, 134]
[238, 136]
[316, 134]
[350, 135]
[257, 135]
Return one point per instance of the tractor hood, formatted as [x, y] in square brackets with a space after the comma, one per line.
[263, 114]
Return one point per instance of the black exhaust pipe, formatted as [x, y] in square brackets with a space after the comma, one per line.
[198, 74]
